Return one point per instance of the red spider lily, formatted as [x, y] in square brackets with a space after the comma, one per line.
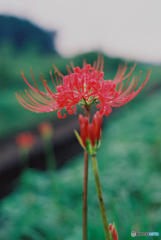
[113, 232]
[25, 140]
[84, 85]
[90, 133]
[46, 129]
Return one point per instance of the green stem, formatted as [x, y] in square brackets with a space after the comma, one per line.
[100, 198]
[85, 189]
[85, 183]
[24, 157]
[49, 153]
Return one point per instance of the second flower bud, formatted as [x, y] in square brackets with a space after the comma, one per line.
[90, 133]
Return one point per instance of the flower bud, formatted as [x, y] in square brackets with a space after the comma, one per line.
[113, 232]
[90, 133]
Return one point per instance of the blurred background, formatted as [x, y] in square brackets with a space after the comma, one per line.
[41, 163]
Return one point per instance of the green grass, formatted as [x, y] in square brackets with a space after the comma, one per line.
[49, 206]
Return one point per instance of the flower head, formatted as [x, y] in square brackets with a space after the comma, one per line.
[84, 85]
[25, 140]
[90, 133]
[46, 129]
[113, 232]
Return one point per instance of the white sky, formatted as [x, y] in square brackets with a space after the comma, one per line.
[128, 28]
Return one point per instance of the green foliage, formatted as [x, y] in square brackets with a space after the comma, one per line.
[48, 205]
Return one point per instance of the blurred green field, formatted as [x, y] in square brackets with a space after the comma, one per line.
[48, 206]
[13, 117]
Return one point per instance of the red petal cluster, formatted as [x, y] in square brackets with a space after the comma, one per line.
[91, 131]
[84, 85]
[113, 232]
[25, 140]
